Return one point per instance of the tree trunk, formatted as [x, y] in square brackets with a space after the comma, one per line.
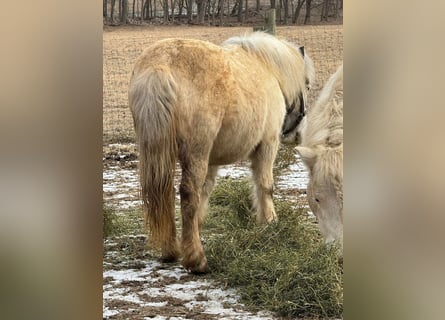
[286, 10]
[124, 11]
[337, 8]
[104, 9]
[189, 11]
[297, 10]
[240, 10]
[201, 11]
[180, 7]
[325, 10]
[113, 2]
[307, 18]
[272, 4]
[134, 2]
[246, 11]
[278, 10]
[173, 6]
[220, 11]
[165, 10]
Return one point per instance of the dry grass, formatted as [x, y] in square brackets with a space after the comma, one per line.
[283, 267]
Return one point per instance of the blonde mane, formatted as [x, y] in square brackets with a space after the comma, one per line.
[281, 56]
[324, 123]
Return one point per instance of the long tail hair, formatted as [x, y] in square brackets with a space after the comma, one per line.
[152, 96]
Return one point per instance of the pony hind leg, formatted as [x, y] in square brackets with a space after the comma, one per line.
[205, 194]
[262, 164]
[193, 177]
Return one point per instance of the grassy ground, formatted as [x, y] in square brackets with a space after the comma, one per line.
[283, 267]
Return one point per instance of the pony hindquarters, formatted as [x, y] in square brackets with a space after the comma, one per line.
[151, 97]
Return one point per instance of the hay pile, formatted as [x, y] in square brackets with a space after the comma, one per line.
[283, 267]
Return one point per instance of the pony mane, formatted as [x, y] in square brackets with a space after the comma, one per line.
[324, 123]
[285, 60]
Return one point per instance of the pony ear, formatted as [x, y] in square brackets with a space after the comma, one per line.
[301, 50]
[308, 156]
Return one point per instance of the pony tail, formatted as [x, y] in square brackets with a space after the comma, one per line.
[152, 97]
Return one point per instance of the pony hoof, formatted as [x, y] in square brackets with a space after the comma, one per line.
[199, 268]
[267, 220]
[169, 259]
[172, 256]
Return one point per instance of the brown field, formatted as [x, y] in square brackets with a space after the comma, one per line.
[122, 45]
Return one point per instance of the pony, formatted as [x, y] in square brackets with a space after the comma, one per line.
[321, 150]
[205, 105]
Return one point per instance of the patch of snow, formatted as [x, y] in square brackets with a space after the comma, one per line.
[108, 313]
[201, 293]
[233, 171]
[296, 176]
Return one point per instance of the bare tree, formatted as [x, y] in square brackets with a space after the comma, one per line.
[124, 11]
[240, 10]
[338, 5]
[180, 8]
[104, 8]
[189, 10]
[300, 4]
[201, 10]
[307, 18]
[325, 10]
[286, 10]
[113, 2]
[145, 9]
[165, 10]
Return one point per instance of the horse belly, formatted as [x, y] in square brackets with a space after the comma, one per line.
[234, 145]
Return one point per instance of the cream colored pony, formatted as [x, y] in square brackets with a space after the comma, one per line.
[321, 150]
[207, 105]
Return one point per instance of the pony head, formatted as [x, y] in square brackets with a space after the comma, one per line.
[296, 109]
[325, 189]
[321, 150]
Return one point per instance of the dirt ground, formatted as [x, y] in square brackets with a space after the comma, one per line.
[135, 285]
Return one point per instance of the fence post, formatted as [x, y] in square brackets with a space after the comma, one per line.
[269, 23]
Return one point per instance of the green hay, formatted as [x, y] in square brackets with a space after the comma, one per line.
[284, 266]
[285, 157]
[121, 224]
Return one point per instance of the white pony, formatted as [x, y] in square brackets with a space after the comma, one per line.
[321, 150]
